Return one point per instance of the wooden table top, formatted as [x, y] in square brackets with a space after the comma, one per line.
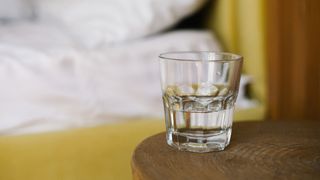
[258, 150]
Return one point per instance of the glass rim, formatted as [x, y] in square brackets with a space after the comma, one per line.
[234, 57]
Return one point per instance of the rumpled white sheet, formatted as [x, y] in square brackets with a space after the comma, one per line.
[49, 83]
[15, 10]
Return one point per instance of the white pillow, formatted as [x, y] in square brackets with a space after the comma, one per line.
[98, 22]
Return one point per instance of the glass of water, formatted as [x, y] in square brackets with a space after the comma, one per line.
[199, 93]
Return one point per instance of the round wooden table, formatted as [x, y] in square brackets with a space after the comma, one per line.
[258, 150]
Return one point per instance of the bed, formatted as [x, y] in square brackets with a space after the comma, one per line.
[76, 98]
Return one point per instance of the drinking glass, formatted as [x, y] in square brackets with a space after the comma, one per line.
[199, 90]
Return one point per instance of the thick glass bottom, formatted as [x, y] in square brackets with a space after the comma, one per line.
[199, 141]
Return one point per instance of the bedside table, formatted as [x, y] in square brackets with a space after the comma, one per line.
[258, 150]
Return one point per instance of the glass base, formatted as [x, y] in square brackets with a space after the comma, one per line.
[199, 142]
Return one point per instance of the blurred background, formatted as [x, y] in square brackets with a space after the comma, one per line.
[80, 77]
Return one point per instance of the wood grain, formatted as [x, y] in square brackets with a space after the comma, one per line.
[293, 28]
[258, 150]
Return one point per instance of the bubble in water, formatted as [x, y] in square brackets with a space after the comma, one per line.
[206, 89]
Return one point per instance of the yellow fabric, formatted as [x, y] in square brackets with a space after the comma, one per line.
[92, 153]
[239, 25]
[251, 114]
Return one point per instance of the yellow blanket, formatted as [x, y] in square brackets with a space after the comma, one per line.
[93, 153]
[102, 152]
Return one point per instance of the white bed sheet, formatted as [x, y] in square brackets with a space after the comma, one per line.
[48, 82]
